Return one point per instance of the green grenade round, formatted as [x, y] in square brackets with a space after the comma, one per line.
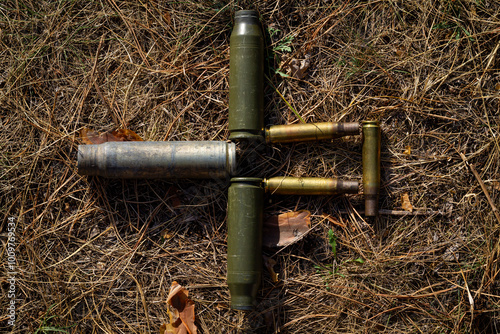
[246, 78]
[244, 240]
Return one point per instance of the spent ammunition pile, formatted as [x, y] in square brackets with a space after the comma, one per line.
[218, 159]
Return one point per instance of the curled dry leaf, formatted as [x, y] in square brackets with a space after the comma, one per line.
[286, 228]
[405, 203]
[270, 263]
[298, 68]
[181, 312]
[91, 137]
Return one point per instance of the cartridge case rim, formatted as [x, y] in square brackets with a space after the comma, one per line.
[244, 179]
[370, 123]
[246, 135]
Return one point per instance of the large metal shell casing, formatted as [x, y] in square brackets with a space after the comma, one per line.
[309, 186]
[244, 240]
[371, 166]
[169, 160]
[310, 131]
[246, 78]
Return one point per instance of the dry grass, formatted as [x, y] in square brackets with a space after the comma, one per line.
[92, 255]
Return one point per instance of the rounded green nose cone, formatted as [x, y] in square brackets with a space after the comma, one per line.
[244, 240]
[246, 78]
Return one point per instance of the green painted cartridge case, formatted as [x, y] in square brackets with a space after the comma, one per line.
[371, 166]
[309, 186]
[155, 160]
[244, 240]
[246, 78]
[310, 131]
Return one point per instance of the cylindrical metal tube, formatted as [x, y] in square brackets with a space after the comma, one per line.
[371, 166]
[246, 78]
[143, 159]
[310, 131]
[244, 240]
[309, 186]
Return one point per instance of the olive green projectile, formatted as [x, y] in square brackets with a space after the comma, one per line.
[244, 241]
[246, 78]
[371, 166]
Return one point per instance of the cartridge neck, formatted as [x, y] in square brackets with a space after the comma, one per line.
[246, 16]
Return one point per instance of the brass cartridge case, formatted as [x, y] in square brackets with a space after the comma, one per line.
[309, 186]
[310, 131]
[244, 240]
[246, 78]
[371, 166]
[154, 160]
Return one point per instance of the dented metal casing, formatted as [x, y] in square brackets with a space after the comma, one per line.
[310, 131]
[246, 78]
[244, 240]
[371, 166]
[152, 160]
[285, 185]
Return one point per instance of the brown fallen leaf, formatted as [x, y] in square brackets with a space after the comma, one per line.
[270, 263]
[298, 67]
[405, 203]
[181, 312]
[173, 197]
[167, 18]
[91, 137]
[286, 228]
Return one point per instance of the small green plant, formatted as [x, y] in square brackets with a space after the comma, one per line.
[281, 46]
[327, 272]
[284, 44]
[455, 12]
[332, 240]
[358, 260]
[47, 325]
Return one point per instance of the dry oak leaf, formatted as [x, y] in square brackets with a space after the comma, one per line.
[181, 312]
[286, 228]
[91, 137]
[299, 67]
[405, 203]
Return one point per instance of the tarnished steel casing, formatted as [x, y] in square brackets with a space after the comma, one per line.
[371, 166]
[246, 78]
[309, 186]
[310, 131]
[170, 160]
[244, 240]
